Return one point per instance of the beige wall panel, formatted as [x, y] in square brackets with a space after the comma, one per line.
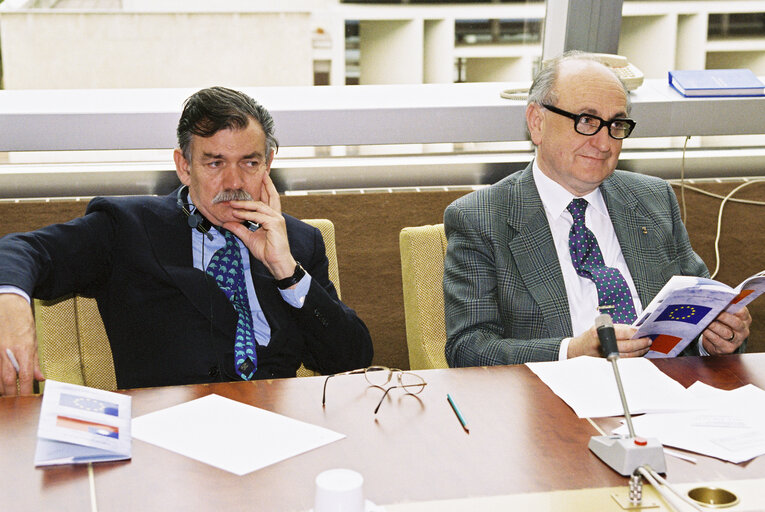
[649, 42]
[724, 60]
[438, 56]
[498, 69]
[391, 51]
[108, 50]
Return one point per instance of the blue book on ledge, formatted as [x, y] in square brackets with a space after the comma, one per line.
[716, 82]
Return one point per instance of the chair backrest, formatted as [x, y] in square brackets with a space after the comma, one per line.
[72, 342]
[423, 249]
[327, 229]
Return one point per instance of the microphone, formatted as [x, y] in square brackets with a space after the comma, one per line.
[252, 226]
[624, 455]
[607, 336]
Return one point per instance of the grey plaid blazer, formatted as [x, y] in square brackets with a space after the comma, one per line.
[505, 301]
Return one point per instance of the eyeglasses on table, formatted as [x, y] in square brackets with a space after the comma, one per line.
[381, 377]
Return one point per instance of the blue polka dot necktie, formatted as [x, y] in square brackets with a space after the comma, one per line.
[588, 262]
[227, 270]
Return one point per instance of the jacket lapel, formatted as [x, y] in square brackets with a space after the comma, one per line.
[169, 236]
[533, 251]
[637, 234]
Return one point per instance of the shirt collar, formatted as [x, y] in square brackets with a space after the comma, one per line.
[555, 198]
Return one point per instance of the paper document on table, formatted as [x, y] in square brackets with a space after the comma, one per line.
[730, 427]
[588, 386]
[229, 435]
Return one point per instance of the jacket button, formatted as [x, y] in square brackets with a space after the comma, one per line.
[213, 371]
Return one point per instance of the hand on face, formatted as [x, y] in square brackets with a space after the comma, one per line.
[588, 344]
[269, 244]
[727, 332]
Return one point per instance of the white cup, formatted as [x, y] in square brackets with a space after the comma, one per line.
[339, 490]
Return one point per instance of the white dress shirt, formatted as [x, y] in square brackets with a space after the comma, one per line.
[581, 292]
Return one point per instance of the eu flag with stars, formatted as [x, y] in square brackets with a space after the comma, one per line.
[688, 313]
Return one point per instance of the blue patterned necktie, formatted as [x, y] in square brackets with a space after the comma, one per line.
[588, 262]
[227, 269]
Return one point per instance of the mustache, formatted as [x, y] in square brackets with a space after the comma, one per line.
[231, 194]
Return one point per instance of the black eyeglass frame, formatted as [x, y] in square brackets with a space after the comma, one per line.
[608, 124]
[391, 371]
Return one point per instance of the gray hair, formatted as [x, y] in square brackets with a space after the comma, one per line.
[210, 110]
[543, 88]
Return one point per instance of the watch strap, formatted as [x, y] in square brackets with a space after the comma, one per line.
[292, 280]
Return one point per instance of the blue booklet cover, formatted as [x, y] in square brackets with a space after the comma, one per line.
[716, 82]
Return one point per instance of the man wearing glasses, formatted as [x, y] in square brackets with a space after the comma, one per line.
[531, 258]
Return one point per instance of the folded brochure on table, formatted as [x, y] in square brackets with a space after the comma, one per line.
[686, 305]
[79, 424]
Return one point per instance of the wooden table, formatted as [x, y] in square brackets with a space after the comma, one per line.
[522, 438]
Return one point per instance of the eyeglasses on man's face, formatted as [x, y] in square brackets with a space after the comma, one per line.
[382, 377]
[588, 124]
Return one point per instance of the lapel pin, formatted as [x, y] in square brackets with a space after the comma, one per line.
[645, 230]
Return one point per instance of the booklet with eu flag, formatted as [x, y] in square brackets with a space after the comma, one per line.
[79, 424]
[686, 306]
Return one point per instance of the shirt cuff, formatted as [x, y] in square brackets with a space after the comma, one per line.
[563, 352]
[295, 297]
[13, 289]
[702, 350]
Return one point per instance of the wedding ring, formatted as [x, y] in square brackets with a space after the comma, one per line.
[731, 337]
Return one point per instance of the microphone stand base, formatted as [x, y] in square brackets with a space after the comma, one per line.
[626, 454]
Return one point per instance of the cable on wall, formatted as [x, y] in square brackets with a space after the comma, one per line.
[682, 178]
[725, 199]
[719, 221]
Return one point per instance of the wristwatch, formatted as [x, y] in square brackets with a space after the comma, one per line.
[292, 280]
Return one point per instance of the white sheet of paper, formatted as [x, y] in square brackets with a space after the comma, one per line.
[588, 386]
[229, 435]
[730, 427]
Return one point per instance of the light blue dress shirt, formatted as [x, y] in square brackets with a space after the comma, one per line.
[203, 250]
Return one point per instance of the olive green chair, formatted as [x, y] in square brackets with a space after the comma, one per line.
[423, 249]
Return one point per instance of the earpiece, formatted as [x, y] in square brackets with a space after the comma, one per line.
[195, 219]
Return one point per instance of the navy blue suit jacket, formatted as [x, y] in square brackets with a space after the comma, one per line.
[167, 322]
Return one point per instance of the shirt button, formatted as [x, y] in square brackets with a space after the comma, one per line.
[213, 371]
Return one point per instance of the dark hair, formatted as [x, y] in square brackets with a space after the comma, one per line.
[210, 110]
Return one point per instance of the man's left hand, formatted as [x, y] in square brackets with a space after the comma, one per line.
[269, 244]
[727, 332]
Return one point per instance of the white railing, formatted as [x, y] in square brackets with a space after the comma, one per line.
[36, 120]
[461, 114]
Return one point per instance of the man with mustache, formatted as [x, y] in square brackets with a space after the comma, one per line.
[531, 258]
[210, 283]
